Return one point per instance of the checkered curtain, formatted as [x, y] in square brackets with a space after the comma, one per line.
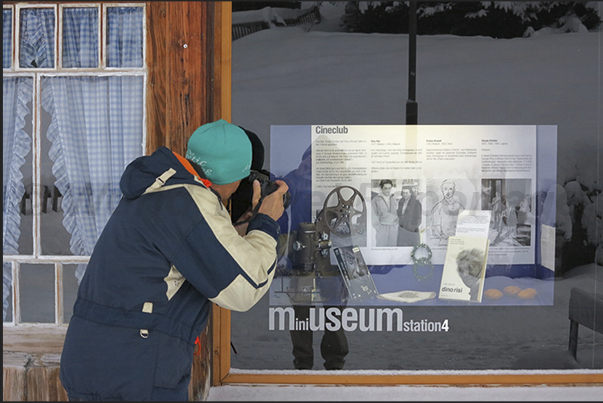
[16, 144]
[37, 38]
[80, 37]
[7, 43]
[96, 130]
[124, 37]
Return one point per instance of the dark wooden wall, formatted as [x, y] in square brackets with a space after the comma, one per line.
[180, 98]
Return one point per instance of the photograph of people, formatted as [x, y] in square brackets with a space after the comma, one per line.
[497, 210]
[510, 207]
[486, 196]
[524, 209]
[384, 215]
[409, 218]
[444, 213]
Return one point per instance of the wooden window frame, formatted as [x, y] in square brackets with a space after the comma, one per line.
[37, 257]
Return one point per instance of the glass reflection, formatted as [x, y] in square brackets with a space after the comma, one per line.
[334, 78]
[37, 293]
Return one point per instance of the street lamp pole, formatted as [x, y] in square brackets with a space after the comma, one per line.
[412, 108]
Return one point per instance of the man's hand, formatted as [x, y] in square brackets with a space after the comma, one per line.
[272, 205]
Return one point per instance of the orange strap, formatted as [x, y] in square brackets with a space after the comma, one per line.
[197, 346]
[190, 169]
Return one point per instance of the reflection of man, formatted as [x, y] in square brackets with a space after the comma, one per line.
[334, 344]
[409, 215]
[385, 220]
[444, 213]
[470, 264]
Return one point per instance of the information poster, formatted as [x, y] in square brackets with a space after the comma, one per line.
[395, 194]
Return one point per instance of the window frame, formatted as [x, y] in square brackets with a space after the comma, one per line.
[37, 257]
[221, 319]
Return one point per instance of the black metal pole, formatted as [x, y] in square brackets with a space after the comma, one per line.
[412, 108]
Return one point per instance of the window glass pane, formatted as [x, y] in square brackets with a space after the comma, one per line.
[54, 237]
[7, 292]
[37, 38]
[80, 37]
[90, 128]
[37, 293]
[70, 286]
[512, 326]
[94, 130]
[125, 36]
[26, 240]
[7, 38]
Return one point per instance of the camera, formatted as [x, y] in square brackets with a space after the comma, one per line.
[241, 199]
[268, 186]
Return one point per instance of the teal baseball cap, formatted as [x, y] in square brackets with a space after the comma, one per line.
[223, 151]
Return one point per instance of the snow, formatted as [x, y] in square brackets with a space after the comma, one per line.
[402, 393]
[288, 76]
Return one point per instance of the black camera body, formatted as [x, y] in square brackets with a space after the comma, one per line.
[268, 186]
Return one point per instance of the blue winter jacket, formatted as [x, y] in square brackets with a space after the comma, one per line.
[166, 253]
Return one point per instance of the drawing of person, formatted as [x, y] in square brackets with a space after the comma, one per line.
[384, 217]
[444, 213]
[409, 218]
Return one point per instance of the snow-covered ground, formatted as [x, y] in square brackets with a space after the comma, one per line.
[309, 393]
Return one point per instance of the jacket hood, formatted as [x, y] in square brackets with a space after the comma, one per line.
[144, 171]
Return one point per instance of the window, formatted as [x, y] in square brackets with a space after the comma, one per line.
[74, 78]
[341, 84]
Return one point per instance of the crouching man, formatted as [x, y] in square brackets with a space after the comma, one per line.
[168, 251]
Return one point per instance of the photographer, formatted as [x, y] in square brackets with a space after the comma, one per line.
[166, 253]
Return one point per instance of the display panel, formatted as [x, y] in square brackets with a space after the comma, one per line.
[378, 215]
[486, 297]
